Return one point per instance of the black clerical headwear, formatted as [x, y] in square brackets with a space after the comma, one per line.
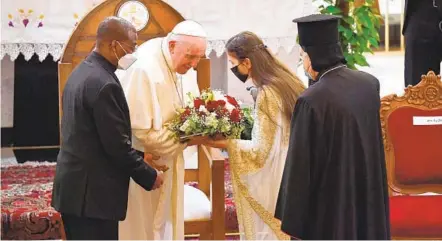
[319, 37]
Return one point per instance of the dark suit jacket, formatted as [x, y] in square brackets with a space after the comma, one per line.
[96, 159]
[423, 12]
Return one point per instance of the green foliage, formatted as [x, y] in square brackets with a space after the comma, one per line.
[358, 29]
[248, 123]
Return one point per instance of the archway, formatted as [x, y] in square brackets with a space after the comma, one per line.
[161, 18]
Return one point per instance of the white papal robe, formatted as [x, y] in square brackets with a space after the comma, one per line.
[154, 92]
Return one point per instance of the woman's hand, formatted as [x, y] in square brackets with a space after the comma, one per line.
[218, 141]
[198, 140]
[222, 144]
[150, 157]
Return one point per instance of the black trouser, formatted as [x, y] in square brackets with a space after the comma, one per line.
[423, 45]
[82, 228]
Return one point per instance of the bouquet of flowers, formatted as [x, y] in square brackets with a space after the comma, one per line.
[213, 113]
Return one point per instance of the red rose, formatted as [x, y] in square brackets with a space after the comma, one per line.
[235, 116]
[198, 102]
[221, 103]
[185, 114]
[221, 112]
[211, 105]
[200, 113]
[232, 101]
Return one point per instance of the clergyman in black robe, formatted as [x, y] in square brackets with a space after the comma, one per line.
[334, 184]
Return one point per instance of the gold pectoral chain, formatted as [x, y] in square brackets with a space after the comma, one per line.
[180, 94]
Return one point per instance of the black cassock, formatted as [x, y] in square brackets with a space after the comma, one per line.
[334, 184]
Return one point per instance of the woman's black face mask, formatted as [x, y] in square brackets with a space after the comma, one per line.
[242, 77]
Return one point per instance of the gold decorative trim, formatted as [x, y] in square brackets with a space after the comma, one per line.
[248, 157]
[256, 151]
[265, 215]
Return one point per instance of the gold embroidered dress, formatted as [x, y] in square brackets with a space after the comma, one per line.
[257, 166]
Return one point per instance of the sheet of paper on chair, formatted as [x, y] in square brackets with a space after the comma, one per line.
[427, 120]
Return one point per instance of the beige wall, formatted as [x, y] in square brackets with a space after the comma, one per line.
[224, 79]
[7, 92]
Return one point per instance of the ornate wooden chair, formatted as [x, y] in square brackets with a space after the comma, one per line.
[209, 223]
[161, 18]
[412, 133]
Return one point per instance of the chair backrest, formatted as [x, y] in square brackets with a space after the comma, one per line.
[161, 19]
[412, 133]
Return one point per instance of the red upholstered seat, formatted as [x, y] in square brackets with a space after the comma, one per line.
[417, 148]
[416, 216]
[413, 154]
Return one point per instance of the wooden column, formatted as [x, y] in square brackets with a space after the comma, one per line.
[64, 71]
[203, 74]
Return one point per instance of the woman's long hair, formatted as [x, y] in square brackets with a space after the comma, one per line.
[267, 70]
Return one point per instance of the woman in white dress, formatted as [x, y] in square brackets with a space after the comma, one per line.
[257, 165]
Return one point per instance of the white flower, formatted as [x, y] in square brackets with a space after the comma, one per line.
[211, 120]
[189, 99]
[219, 95]
[229, 107]
[190, 104]
[203, 109]
[185, 126]
[226, 127]
[190, 96]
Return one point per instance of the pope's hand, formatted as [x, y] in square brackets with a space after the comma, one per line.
[218, 141]
[150, 157]
[159, 181]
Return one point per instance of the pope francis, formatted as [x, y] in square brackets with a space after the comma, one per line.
[154, 91]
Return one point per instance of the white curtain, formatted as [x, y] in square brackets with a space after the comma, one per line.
[43, 26]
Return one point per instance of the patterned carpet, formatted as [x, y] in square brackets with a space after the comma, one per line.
[26, 196]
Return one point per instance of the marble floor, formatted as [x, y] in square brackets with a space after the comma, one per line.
[389, 69]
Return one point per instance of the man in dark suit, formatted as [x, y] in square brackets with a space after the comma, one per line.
[423, 38]
[96, 160]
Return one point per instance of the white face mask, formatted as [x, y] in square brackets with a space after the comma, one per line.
[126, 61]
[309, 76]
